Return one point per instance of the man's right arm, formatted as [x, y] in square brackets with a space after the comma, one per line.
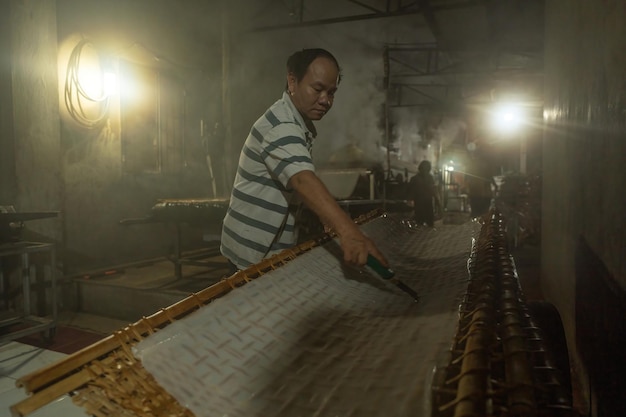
[355, 245]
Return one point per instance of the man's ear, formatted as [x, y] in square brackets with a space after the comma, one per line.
[291, 82]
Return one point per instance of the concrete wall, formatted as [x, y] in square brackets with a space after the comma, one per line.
[50, 163]
[584, 149]
[35, 125]
[7, 144]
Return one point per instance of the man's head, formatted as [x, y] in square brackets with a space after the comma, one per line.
[424, 167]
[312, 79]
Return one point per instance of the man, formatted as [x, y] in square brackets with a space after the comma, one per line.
[275, 168]
[479, 182]
[423, 193]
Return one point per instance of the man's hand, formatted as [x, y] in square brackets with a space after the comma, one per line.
[355, 245]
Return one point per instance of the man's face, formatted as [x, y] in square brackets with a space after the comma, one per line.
[313, 95]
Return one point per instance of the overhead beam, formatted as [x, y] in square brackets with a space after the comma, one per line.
[434, 47]
[402, 11]
[493, 72]
[330, 21]
[431, 20]
[421, 93]
[367, 6]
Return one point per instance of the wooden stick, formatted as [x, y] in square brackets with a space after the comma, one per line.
[43, 397]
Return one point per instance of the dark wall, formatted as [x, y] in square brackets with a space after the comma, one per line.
[584, 156]
[600, 330]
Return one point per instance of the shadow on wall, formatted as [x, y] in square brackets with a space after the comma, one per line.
[601, 330]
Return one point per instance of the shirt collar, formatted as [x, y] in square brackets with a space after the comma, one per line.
[309, 128]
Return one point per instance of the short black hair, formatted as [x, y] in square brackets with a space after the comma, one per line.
[424, 167]
[298, 62]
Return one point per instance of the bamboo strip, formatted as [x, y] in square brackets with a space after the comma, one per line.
[121, 386]
[43, 397]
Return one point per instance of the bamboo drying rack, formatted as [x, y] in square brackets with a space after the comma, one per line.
[106, 379]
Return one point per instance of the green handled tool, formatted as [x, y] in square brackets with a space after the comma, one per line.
[384, 272]
[387, 273]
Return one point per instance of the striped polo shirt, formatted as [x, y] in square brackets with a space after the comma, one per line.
[278, 146]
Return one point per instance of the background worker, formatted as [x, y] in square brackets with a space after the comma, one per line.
[424, 195]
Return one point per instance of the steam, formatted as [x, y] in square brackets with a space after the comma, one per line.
[353, 132]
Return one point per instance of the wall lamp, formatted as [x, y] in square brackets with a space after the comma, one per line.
[90, 81]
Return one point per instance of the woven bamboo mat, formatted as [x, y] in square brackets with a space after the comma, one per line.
[317, 338]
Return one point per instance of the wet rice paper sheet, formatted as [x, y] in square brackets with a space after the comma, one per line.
[317, 338]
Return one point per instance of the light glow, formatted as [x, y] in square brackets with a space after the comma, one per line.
[109, 83]
[507, 118]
